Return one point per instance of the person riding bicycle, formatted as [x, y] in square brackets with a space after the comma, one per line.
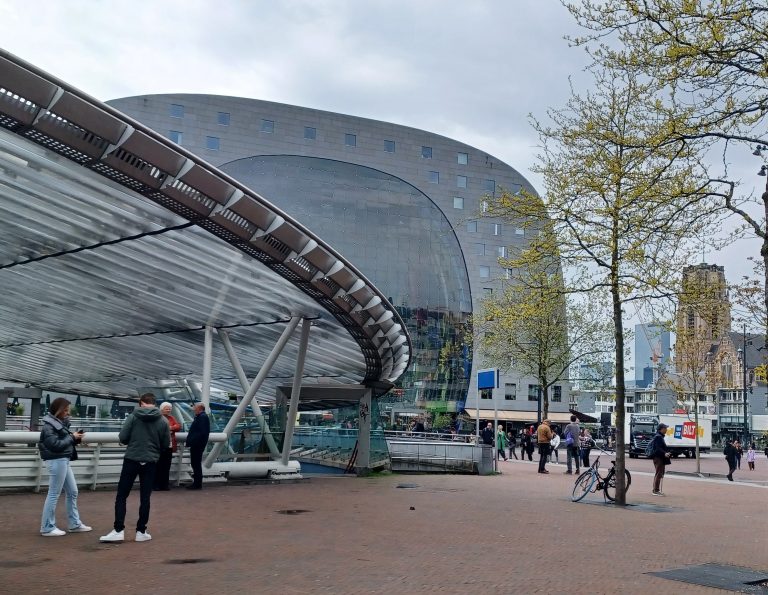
[660, 454]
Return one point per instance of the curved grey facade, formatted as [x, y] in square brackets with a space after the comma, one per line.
[281, 149]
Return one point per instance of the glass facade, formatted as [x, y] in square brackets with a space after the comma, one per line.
[364, 213]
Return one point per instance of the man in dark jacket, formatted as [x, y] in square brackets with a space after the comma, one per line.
[661, 458]
[487, 434]
[145, 433]
[197, 438]
[730, 455]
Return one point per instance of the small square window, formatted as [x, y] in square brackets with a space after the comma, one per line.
[426, 152]
[175, 136]
[462, 158]
[489, 186]
[434, 177]
[461, 181]
[486, 393]
[510, 392]
[458, 202]
[485, 272]
[389, 146]
[479, 249]
[502, 252]
[177, 110]
[350, 140]
[223, 118]
[212, 143]
[472, 226]
[507, 273]
[488, 291]
[310, 133]
[268, 126]
[484, 206]
[497, 229]
[557, 394]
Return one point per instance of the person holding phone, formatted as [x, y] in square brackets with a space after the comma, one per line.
[57, 449]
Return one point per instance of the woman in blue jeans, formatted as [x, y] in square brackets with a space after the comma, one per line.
[57, 444]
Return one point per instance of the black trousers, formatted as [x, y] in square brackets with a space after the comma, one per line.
[196, 460]
[543, 454]
[163, 471]
[146, 474]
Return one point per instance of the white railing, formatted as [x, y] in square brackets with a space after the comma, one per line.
[99, 462]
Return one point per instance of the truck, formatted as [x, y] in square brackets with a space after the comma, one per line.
[681, 434]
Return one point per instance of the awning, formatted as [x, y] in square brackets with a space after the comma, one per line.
[584, 418]
[526, 416]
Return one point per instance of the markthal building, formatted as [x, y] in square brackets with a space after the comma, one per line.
[402, 204]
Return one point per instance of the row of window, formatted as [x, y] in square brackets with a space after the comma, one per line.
[510, 393]
[310, 133]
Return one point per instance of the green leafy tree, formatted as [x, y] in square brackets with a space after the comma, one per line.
[708, 61]
[532, 328]
[621, 199]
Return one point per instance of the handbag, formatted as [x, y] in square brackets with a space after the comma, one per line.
[73, 456]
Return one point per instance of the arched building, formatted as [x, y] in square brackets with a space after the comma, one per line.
[373, 188]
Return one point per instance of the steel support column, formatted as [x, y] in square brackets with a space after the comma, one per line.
[240, 373]
[207, 356]
[293, 407]
[255, 385]
[363, 461]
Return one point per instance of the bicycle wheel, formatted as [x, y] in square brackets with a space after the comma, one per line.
[610, 484]
[583, 485]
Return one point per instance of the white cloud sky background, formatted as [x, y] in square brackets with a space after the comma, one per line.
[472, 71]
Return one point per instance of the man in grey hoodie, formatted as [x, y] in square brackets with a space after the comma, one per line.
[571, 434]
[145, 432]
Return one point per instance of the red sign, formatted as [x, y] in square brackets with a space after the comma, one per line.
[689, 429]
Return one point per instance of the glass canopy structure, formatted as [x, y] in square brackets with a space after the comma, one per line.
[118, 248]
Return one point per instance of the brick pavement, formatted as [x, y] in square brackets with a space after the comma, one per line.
[516, 532]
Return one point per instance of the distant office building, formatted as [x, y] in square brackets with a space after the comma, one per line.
[593, 376]
[652, 351]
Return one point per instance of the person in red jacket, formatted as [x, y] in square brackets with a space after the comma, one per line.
[166, 456]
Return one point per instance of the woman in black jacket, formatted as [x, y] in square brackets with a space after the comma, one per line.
[57, 447]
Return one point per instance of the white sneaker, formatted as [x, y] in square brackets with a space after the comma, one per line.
[113, 536]
[143, 536]
[81, 529]
[656, 494]
[54, 533]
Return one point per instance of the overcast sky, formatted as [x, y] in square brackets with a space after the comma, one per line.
[471, 70]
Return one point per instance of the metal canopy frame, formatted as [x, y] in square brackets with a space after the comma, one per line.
[157, 205]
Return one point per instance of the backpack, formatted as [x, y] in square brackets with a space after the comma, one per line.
[649, 450]
[568, 439]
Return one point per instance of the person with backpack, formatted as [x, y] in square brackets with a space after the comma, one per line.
[512, 444]
[571, 434]
[660, 453]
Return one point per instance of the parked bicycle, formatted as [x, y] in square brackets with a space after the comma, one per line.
[592, 481]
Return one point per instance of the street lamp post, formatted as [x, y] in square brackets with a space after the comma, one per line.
[742, 356]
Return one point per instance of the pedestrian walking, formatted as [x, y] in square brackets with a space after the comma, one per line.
[529, 446]
[57, 449]
[730, 456]
[501, 442]
[543, 438]
[572, 432]
[523, 443]
[145, 433]
[197, 439]
[661, 458]
[554, 445]
[512, 444]
[163, 472]
[739, 453]
[486, 434]
[751, 457]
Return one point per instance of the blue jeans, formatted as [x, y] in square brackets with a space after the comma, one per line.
[61, 476]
